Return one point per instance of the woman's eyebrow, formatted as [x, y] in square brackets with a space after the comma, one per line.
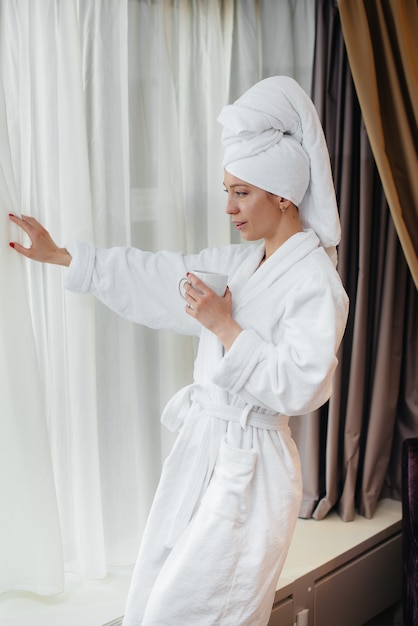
[236, 185]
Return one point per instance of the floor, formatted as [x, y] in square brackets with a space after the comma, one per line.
[84, 603]
[101, 603]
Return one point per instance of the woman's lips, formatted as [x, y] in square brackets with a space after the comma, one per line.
[239, 225]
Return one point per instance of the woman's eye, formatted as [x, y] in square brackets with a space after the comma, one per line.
[239, 194]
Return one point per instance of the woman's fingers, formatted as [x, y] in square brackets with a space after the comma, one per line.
[23, 222]
[196, 284]
[204, 304]
[43, 247]
[26, 227]
[194, 288]
[21, 249]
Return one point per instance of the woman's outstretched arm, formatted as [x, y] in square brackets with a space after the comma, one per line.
[43, 248]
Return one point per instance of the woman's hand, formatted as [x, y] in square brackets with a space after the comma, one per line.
[212, 311]
[43, 248]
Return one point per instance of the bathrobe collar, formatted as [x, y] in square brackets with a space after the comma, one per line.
[259, 280]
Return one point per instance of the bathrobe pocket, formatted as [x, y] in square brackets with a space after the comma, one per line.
[228, 492]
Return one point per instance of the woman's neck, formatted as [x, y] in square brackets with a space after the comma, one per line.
[290, 224]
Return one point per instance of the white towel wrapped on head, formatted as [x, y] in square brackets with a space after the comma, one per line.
[273, 139]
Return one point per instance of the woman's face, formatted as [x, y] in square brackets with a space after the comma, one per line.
[254, 212]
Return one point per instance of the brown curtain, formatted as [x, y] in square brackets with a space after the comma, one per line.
[350, 449]
[381, 37]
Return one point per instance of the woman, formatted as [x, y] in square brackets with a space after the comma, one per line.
[229, 496]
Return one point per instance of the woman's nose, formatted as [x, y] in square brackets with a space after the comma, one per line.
[230, 207]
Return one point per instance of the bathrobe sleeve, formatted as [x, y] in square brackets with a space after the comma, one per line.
[291, 373]
[139, 285]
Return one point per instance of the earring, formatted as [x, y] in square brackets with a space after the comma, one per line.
[284, 204]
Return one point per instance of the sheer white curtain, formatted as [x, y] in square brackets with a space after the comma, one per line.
[28, 552]
[110, 117]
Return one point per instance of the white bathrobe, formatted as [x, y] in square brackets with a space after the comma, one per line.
[229, 496]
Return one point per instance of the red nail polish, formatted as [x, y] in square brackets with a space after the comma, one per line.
[12, 245]
[11, 215]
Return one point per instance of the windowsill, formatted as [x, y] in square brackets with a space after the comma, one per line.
[331, 542]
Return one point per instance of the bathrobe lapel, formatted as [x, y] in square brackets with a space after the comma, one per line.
[259, 282]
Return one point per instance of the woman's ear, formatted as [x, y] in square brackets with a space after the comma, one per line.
[284, 204]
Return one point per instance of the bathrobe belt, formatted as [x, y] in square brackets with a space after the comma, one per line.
[247, 416]
[177, 408]
[190, 484]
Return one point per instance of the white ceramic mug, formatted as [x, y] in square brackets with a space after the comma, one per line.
[215, 281]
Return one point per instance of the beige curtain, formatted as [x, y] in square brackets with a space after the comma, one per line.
[382, 46]
[350, 448]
